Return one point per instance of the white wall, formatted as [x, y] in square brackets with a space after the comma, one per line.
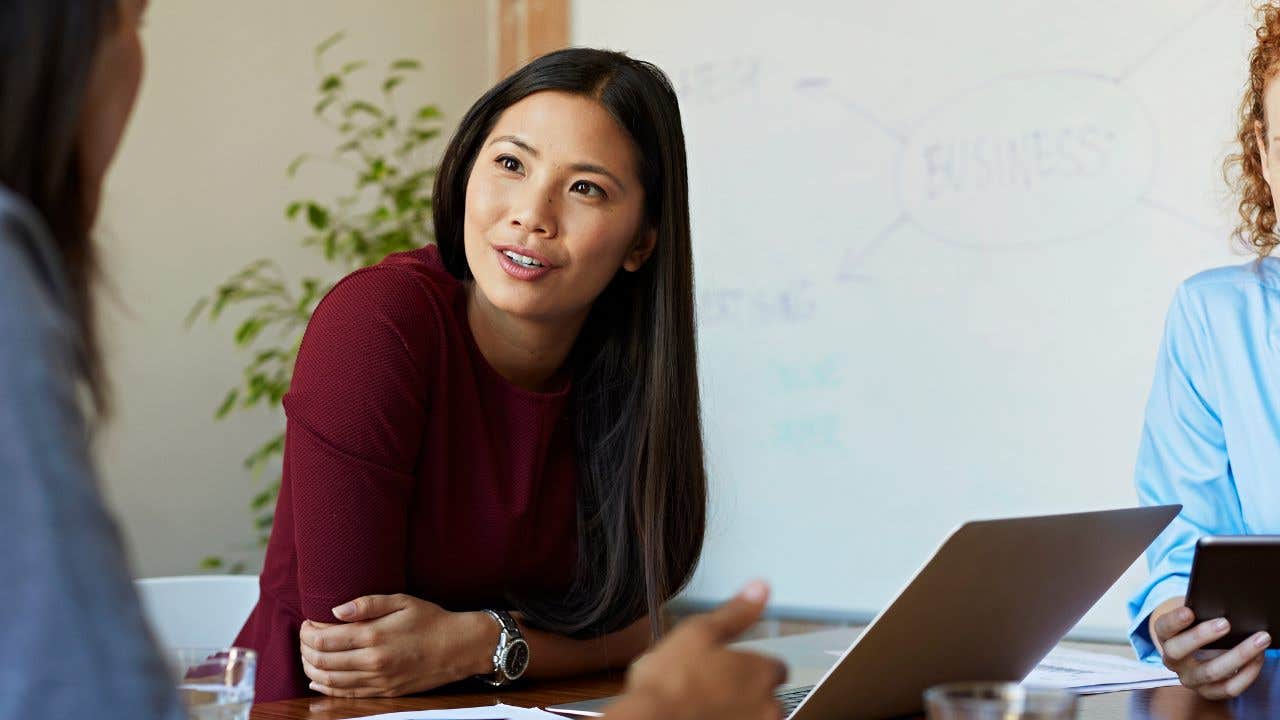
[934, 243]
[199, 189]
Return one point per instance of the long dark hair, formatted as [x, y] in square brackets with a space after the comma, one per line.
[642, 482]
[47, 51]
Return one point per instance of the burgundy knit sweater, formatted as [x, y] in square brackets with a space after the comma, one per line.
[410, 466]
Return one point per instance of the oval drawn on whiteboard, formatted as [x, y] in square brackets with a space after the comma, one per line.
[1027, 159]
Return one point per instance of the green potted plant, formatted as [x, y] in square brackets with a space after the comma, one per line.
[385, 209]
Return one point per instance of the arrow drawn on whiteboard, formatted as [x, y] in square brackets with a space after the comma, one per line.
[820, 86]
[1167, 38]
[986, 168]
[1180, 217]
[854, 258]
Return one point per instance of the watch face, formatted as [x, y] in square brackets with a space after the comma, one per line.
[516, 659]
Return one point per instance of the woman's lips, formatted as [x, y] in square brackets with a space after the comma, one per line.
[520, 271]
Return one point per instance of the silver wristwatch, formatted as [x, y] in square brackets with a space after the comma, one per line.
[511, 657]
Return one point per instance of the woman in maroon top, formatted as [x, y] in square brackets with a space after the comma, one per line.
[509, 422]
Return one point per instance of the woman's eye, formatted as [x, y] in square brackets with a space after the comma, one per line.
[589, 189]
[510, 164]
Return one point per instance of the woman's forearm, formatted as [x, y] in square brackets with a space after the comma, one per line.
[552, 655]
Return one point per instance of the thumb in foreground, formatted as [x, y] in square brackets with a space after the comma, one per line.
[734, 617]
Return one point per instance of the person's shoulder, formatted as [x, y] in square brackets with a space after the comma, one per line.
[1229, 309]
[29, 281]
[406, 303]
[1233, 288]
[39, 340]
[1256, 274]
[402, 289]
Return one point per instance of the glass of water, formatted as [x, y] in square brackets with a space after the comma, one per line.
[215, 683]
[997, 701]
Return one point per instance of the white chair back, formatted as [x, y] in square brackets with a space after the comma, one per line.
[197, 610]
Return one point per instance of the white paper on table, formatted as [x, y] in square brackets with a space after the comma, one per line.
[488, 712]
[1090, 673]
[1087, 673]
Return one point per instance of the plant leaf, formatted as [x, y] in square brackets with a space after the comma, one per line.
[329, 42]
[361, 106]
[317, 216]
[262, 499]
[406, 64]
[196, 310]
[249, 330]
[297, 163]
[228, 403]
[324, 103]
[391, 83]
[352, 67]
[211, 562]
[428, 112]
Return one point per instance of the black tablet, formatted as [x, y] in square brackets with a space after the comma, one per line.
[1237, 577]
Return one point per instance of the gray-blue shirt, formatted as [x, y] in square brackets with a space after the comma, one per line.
[73, 642]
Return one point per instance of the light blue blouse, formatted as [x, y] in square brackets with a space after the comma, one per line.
[1211, 440]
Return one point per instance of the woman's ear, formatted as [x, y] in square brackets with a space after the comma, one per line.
[641, 249]
[1263, 156]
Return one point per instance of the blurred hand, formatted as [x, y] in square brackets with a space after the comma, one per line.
[394, 645]
[691, 675]
[1214, 674]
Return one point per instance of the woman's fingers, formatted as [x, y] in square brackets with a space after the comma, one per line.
[339, 679]
[346, 692]
[1179, 647]
[360, 659]
[1173, 622]
[1236, 684]
[336, 638]
[370, 607]
[1223, 667]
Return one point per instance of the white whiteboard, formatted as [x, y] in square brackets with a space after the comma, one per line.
[935, 243]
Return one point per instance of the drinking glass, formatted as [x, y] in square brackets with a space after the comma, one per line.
[215, 683]
[997, 701]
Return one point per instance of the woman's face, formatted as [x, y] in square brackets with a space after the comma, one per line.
[554, 208]
[110, 96]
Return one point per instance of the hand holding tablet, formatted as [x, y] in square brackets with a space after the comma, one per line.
[1234, 577]
[1216, 640]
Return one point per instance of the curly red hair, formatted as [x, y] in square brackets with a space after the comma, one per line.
[1256, 228]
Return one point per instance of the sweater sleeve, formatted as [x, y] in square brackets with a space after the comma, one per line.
[1182, 459]
[356, 410]
[75, 641]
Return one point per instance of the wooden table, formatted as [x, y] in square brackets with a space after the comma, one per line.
[1168, 703]
[530, 695]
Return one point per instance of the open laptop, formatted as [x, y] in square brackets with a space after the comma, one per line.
[994, 599]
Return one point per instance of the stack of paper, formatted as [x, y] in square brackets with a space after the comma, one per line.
[488, 712]
[1089, 673]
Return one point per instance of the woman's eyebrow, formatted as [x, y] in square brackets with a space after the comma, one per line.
[576, 167]
[598, 170]
[518, 142]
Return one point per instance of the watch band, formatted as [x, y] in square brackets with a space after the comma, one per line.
[511, 648]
